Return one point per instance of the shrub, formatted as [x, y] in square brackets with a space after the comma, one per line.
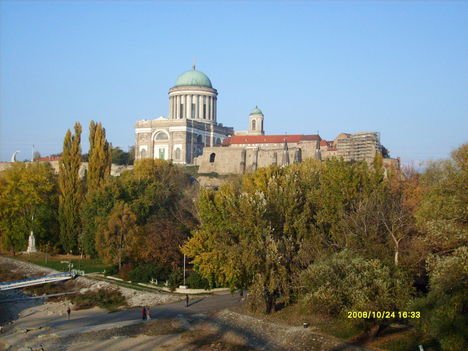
[196, 281]
[111, 270]
[108, 298]
[175, 279]
[346, 282]
[145, 272]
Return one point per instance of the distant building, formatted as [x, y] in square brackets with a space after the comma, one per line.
[352, 147]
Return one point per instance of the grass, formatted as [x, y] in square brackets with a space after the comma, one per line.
[296, 315]
[191, 170]
[407, 341]
[110, 299]
[88, 265]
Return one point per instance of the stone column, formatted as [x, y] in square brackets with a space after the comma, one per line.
[214, 108]
[176, 110]
[211, 108]
[173, 107]
[196, 98]
[187, 103]
[200, 108]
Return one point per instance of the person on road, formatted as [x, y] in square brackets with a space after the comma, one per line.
[68, 312]
[148, 315]
[186, 300]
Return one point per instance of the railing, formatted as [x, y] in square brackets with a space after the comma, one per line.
[17, 284]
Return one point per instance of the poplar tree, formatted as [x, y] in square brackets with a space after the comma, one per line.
[100, 159]
[71, 190]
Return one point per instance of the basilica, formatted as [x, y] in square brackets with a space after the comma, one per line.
[191, 135]
[191, 124]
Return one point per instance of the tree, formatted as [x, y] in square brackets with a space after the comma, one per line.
[120, 157]
[71, 190]
[95, 209]
[28, 202]
[115, 235]
[99, 164]
[378, 225]
[444, 309]
[347, 282]
[36, 155]
[159, 242]
[250, 234]
[442, 218]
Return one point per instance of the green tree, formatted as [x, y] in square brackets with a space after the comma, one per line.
[99, 162]
[95, 208]
[444, 309]
[442, 216]
[347, 282]
[28, 202]
[115, 236]
[71, 190]
[250, 234]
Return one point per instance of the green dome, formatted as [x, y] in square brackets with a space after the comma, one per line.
[193, 78]
[256, 111]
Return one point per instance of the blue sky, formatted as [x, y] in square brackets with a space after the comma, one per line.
[400, 68]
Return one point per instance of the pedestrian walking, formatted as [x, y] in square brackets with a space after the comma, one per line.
[143, 313]
[148, 314]
[186, 300]
[68, 312]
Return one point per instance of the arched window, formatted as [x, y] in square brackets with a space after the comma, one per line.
[212, 157]
[177, 153]
[161, 136]
[254, 124]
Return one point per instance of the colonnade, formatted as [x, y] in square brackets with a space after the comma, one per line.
[195, 106]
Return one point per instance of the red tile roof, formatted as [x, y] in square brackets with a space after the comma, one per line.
[323, 142]
[49, 158]
[267, 139]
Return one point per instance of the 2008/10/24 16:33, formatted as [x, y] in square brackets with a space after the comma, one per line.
[384, 314]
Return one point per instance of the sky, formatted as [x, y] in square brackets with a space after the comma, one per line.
[396, 67]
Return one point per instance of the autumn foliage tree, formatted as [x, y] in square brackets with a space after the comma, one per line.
[115, 234]
[71, 190]
[99, 162]
[28, 202]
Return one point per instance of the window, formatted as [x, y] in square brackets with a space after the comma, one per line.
[162, 154]
[204, 111]
[181, 111]
[161, 136]
[177, 154]
[254, 124]
[212, 157]
[192, 113]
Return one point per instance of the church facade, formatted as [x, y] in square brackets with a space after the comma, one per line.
[191, 124]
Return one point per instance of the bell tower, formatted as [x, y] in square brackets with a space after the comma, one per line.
[256, 122]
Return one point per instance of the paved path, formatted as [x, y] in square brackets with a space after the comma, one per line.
[96, 317]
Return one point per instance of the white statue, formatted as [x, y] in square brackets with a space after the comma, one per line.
[31, 243]
[13, 157]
